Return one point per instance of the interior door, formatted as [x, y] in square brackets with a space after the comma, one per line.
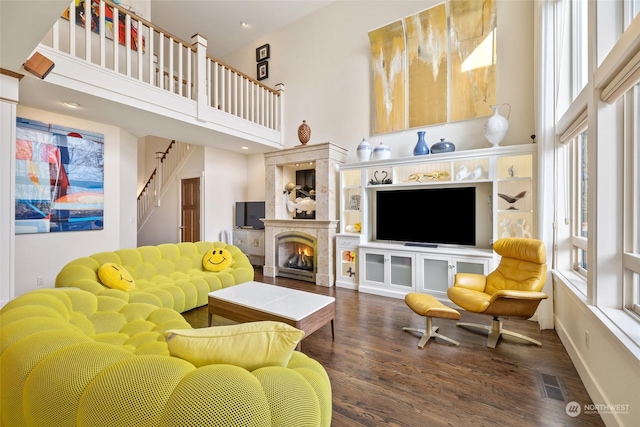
[190, 210]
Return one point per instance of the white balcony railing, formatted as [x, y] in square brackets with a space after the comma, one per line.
[140, 50]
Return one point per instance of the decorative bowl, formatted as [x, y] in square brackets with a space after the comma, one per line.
[442, 147]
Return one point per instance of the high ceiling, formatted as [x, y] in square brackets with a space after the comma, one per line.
[220, 21]
[217, 20]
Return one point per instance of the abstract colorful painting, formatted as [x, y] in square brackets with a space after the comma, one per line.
[80, 19]
[388, 66]
[59, 178]
[427, 70]
[473, 58]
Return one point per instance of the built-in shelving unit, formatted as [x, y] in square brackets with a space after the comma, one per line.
[505, 198]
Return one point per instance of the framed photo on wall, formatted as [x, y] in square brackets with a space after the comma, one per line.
[262, 70]
[263, 53]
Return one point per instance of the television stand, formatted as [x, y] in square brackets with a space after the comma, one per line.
[422, 245]
[394, 270]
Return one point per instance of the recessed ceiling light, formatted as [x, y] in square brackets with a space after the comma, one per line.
[243, 24]
[244, 148]
[71, 104]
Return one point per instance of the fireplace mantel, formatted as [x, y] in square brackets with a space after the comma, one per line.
[300, 223]
[324, 158]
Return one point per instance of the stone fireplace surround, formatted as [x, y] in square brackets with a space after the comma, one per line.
[280, 167]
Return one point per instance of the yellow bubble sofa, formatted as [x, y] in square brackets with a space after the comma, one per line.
[169, 275]
[69, 357]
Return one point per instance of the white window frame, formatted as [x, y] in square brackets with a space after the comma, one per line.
[631, 256]
[579, 242]
[611, 283]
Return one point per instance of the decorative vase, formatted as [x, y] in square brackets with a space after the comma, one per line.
[364, 151]
[421, 147]
[497, 126]
[381, 152]
[442, 147]
[304, 133]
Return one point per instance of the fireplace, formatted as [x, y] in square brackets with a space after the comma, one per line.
[297, 256]
[308, 254]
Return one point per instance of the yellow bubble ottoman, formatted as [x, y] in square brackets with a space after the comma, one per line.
[72, 358]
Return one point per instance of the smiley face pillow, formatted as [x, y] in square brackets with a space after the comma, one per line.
[116, 276]
[217, 259]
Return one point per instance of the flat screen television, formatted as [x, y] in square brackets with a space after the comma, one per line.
[248, 215]
[429, 216]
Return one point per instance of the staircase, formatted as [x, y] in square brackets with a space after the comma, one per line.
[169, 164]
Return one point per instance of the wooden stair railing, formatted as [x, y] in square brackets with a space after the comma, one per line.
[168, 163]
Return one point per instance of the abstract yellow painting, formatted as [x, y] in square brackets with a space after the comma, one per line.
[389, 74]
[473, 58]
[427, 67]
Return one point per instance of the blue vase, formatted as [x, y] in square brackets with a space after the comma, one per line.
[421, 147]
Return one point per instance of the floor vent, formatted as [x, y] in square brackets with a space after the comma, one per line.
[550, 387]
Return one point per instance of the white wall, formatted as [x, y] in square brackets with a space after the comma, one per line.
[225, 182]
[163, 224]
[9, 88]
[324, 62]
[608, 369]
[45, 254]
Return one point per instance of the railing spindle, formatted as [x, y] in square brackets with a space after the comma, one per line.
[161, 84]
[116, 40]
[171, 87]
[72, 29]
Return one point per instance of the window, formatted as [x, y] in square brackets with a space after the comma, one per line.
[631, 259]
[597, 233]
[579, 198]
[579, 38]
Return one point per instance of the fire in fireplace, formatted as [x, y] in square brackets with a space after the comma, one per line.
[302, 260]
[297, 256]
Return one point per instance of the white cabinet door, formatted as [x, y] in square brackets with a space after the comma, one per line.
[387, 273]
[436, 273]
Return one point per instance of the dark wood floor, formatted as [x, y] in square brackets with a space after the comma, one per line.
[380, 378]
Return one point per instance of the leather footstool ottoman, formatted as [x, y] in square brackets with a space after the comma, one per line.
[429, 307]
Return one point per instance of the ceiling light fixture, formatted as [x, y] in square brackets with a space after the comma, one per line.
[71, 104]
[243, 24]
[244, 148]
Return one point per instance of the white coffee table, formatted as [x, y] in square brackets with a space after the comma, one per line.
[256, 301]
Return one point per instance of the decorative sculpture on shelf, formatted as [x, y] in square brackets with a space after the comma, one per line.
[302, 204]
[382, 179]
[512, 199]
[477, 173]
[462, 173]
[506, 227]
[428, 176]
[522, 230]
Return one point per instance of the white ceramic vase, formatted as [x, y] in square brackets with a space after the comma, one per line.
[364, 151]
[381, 152]
[497, 126]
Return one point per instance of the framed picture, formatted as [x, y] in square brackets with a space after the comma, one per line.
[263, 70]
[263, 53]
[354, 202]
[59, 178]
